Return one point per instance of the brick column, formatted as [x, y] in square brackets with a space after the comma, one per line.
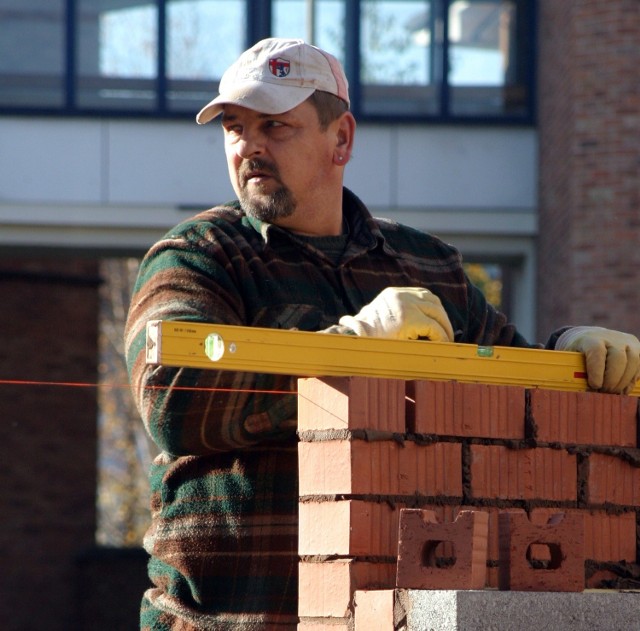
[589, 124]
[48, 320]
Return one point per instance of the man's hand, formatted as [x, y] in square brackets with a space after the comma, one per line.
[612, 357]
[402, 313]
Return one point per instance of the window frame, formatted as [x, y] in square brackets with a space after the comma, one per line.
[258, 26]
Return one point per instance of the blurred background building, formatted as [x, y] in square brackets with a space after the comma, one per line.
[510, 128]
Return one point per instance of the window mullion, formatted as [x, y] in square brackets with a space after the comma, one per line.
[442, 41]
[70, 56]
[258, 20]
[161, 68]
[352, 52]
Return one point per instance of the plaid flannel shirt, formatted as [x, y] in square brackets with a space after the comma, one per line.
[223, 539]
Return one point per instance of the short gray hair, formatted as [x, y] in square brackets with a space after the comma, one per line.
[328, 106]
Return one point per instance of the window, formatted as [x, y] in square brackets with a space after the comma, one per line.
[195, 60]
[321, 22]
[116, 52]
[431, 60]
[398, 63]
[32, 53]
[125, 451]
[487, 72]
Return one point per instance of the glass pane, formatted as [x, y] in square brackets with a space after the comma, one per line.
[398, 64]
[195, 62]
[483, 57]
[124, 449]
[489, 278]
[32, 48]
[320, 22]
[117, 43]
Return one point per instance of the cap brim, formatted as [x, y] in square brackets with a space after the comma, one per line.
[262, 97]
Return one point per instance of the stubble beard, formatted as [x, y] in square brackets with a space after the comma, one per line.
[265, 206]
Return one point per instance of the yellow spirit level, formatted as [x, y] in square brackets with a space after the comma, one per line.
[305, 354]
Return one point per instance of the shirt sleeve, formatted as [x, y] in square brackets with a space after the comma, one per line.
[189, 411]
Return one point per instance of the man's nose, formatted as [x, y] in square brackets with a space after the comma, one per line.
[251, 144]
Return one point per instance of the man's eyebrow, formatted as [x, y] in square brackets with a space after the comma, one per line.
[226, 117]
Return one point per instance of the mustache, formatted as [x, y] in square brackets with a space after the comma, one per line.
[256, 165]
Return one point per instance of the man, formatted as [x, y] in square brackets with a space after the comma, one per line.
[296, 251]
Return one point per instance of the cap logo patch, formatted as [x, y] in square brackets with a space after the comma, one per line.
[279, 67]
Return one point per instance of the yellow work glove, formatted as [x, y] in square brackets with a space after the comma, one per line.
[612, 357]
[402, 313]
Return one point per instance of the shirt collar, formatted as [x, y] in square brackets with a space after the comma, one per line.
[364, 229]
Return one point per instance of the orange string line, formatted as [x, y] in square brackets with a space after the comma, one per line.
[71, 384]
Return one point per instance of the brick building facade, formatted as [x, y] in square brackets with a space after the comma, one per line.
[589, 193]
[47, 436]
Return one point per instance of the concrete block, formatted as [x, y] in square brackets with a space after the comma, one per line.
[444, 610]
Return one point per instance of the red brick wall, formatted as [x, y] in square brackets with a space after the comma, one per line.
[370, 447]
[48, 326]
[589, 124]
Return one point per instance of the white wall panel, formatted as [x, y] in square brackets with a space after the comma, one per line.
[170, 163]
[50, 160]
[178, 163]
[370, 173]
[466, 167]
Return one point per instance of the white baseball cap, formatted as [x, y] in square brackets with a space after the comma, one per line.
[276, 75]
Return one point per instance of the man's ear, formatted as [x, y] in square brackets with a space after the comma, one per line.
[345, 132]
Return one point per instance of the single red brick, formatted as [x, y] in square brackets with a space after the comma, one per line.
[607, 537]
[420, 534]
[610, 537]
[379, 467]
[469, 409]
[563, 535]
[612, 481]
[434, 469]
[324, 467]
[351, 403]
[374, 609]
[326, 588]
[342, 466]
[588, 418]
[348, 528]
[502, 473]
